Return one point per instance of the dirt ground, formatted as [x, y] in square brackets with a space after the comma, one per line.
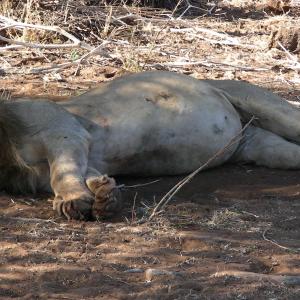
[218, 223]
[236, 218]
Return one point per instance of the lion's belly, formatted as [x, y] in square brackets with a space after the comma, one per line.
[156, 123]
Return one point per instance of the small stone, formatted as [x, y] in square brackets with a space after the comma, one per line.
[151, 273]
[136, 270]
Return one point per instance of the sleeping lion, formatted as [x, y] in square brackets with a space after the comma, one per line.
[151, 123]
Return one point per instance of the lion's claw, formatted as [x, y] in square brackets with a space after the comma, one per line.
[106, 201]
[77, 209]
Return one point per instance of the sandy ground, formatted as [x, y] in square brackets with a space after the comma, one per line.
[233, 218]
[217, 223]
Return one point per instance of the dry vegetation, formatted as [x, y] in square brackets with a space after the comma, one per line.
[232, 233]
[216, 39]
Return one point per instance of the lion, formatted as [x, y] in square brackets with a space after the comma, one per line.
[148, 124]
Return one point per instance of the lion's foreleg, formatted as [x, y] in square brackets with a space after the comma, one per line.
[68, 160]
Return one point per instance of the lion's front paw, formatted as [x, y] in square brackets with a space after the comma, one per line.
[107, 196]
[78, 209]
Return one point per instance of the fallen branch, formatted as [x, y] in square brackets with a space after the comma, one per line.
[277, 244]
[8, 23]
[224, 39]
[59, 67]
[282, 279]
[169, 195]
[205, 63]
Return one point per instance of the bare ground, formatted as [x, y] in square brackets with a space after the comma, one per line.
[216, 224]
[233, 218]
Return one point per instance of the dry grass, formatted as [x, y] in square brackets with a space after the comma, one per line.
[217, 42]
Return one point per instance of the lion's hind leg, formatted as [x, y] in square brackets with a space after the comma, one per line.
[265, 148]
[107, 194]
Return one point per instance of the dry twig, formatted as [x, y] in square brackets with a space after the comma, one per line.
[138, 185]
[59, 67]
[206, 63]
[277, 244]
[224, 39]
[133, 213]
[7, 23]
